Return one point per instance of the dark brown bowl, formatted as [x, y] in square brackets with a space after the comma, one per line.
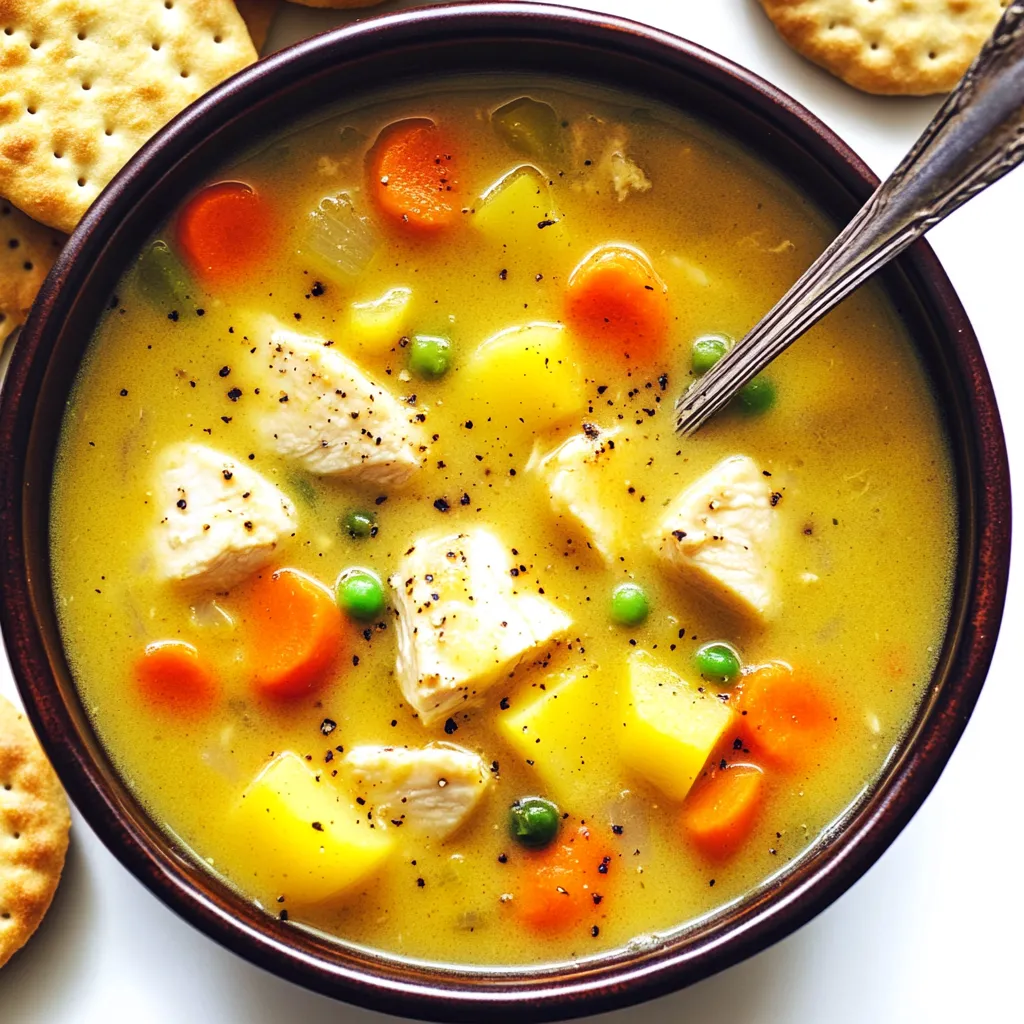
[411, 46]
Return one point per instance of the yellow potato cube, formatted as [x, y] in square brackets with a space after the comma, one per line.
[524, 378]
[517, 214]
[669, 727]
[304, 838]
[377, 325]
[566, 731]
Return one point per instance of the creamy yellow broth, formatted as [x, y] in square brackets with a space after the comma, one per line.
[854, 447]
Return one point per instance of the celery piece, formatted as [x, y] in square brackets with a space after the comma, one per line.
[529, 126]
[161, 278]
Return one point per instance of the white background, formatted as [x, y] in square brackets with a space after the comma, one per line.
[932, 933]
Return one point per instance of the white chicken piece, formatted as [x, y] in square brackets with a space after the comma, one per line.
[463, 620]
[576, 476]
[220, 519]
[624, 173]
[721, 532]
[430, 790]
[317, 407]
[613, 166]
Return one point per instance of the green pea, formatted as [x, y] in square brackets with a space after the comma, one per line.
[757, 396]
[161, 277]
[629, 604]
[359, 524]
[533, 822]
[529, 126]
[430, 356]
[361, 594]
[707, 350]
[718, 662]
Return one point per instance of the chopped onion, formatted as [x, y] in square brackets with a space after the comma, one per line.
[339, 236]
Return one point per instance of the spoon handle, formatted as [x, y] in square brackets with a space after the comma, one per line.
[976, 137]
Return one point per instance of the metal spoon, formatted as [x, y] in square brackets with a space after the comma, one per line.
[976, 137]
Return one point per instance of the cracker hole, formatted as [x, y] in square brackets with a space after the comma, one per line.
[7, 787]
[15, 835]
[108, 132]
[874, 46]
[58, 155]
[3, 317]
[87, 86]
[34, 44]
[81, 37]
[218, 39]
[168, 4]
[5, 916]
[156, 46]
[184, 73]
[81, 182]
[932, 55]
[831, 25]
[31, 110]
[28, 265]
[8, 31]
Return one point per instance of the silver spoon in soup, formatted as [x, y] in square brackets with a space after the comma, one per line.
[976, 137]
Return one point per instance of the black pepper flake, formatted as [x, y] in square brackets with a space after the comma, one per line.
[224, 371]
[451, 726]
[775, 498]
[468, 424]
[235, 394]
[465, 499]
[663, 381]
[441, 505]
[318, 826]
[227, 474]
[317, 290]
[283, 916]
[711, 883]
[124, 392]
[503, 275]
[617, 829]
[595, 931]
[546, 223]
[503, 704]
[355, 659]
[328, 725]
[596, 897]
[173, 316]
[182, 503]
[502, 858]
[421, 882]
[200, 312]
[380, 499]
[361, 801]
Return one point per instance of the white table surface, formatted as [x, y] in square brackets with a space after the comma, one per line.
[931, 933]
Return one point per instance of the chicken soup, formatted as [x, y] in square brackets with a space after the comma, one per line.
[387, 583]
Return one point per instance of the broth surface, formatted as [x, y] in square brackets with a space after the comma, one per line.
[854, 448]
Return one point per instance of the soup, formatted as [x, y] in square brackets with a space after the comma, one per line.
[386, 581]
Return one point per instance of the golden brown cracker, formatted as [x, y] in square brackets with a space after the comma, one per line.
[258, 16]
[909, 47]
[84, 83]
[34, 824]
[27, 251]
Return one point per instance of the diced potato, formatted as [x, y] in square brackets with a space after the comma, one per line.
[304, 838]
[377, 325]
[517, 214]
[669, 727]
[566, 732]
[525, 377]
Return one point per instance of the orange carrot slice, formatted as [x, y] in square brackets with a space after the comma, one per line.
[783, 717]
[564, 885]
[225, 231]
[297, 633]
[617, 301]
[721, 809]
[174, 677]
[412, 175]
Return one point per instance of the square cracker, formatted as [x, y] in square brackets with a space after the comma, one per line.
[907, 47]
[84, 83]
[27, 251]
[258, 16]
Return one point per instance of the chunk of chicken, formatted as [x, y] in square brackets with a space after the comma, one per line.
[317, 407]
[599, 154]
[220, 519]
[463, 620]
[721, 532]
[430, 790]
[576, 476]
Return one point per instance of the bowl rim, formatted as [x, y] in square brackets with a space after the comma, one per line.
[465, 994]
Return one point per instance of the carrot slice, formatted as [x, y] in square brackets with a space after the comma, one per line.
[563, 885]
[782, 716]
[616, 300]
[721, 809]
[174, 677]
[297, 633]
[225, 231]
[412, 175]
